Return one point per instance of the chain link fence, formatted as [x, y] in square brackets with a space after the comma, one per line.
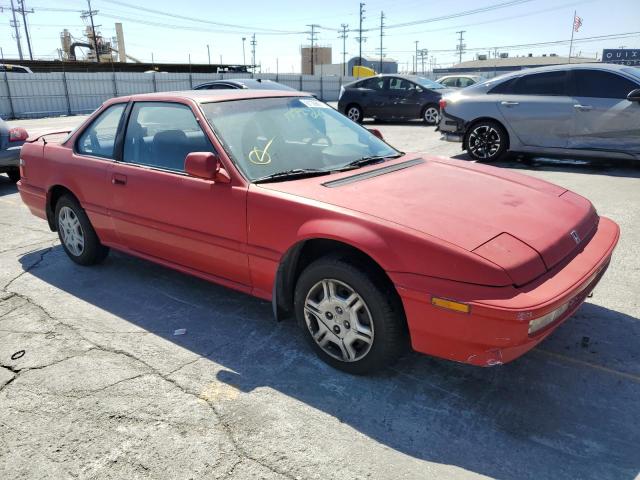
[40, 95]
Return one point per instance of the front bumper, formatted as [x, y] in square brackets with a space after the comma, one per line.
[496, 330]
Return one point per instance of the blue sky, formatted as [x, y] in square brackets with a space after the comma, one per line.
[172, 39]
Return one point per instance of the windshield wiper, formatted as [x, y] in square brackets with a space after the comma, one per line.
[289, 174]
[370, 160]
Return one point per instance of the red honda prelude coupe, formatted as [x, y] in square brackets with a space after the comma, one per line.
[276, 194]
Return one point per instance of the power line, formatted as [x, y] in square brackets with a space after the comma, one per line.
[465, 13]
[196, 19]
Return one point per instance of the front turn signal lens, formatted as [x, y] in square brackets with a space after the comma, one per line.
[450, 304]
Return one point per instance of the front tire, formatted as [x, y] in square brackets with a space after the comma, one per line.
[355, 113]
[486, 141]
[76, 233]
[351, 318]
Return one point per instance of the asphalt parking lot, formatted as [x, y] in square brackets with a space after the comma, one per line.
[95, 382]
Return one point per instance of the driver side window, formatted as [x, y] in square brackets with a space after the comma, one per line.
[99, 139]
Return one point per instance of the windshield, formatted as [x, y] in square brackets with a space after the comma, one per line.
[265, 136]
[426, 83]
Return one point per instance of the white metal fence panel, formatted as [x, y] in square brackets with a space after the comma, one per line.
[68, 93]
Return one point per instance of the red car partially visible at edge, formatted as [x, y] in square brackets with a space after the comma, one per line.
[277, 195]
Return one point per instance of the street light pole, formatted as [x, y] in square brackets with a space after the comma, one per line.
[244, 62]
[209, 54]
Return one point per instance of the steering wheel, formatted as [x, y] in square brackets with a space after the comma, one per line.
[318, 137]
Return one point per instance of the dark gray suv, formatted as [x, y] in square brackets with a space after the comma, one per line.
[392, 97]
[585, 110]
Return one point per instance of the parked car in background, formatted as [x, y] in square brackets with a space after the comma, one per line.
[6, 67]
[581, 110]
[238, 83]
[11, 141]
[280, 196]
[459, 81]
[392, 97]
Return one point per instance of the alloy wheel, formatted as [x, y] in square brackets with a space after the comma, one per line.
[484, 141]
[339, 320]
[71, 231]
[353, 114]
[431, 115]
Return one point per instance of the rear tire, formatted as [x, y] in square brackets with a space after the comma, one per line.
[354, 112]
[77, 236]
[486, 141]
[14, 175]
[431, 115]
[351, 318]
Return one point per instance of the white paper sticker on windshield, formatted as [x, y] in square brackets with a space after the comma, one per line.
[313, 103]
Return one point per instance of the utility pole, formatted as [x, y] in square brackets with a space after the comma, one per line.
[312, 39]
[209, 54]
[423, 53]
[26, 28]
[253, 50]
[15, 25]
[415, 63]
[460, 46]
[381, 35]
[244, 62]
[343, 36]
[90, 13]
[360, 37]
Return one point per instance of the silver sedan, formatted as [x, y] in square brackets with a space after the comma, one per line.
[585, 110]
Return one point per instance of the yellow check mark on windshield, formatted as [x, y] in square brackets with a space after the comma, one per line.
[261, 157]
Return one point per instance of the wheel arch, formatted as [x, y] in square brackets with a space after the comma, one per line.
[53, 195]
[303, 253]
[475, 121]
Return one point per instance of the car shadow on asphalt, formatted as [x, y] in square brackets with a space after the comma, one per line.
[568, 409]
[614, 168]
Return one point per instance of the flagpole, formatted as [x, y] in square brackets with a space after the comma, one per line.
[573, 29]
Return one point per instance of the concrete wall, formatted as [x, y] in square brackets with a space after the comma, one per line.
[40, 95]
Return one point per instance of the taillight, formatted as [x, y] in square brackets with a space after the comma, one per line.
[443, 103]
[18, 134]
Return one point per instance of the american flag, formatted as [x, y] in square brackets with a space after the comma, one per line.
[577, 23]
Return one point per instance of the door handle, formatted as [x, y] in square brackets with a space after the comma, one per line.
[509, 104]
[118, 179]
[583, 108]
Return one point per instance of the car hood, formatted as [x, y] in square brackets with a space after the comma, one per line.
[520, 223]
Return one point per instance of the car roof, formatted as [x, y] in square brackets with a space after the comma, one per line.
[206, 96]
[260, 83]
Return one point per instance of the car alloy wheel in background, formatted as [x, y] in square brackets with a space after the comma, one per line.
[486, 141]
[354, 113]
[431, 115]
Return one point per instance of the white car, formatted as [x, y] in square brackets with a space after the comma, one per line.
[459, 81]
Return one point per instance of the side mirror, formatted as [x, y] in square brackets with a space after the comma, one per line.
[376, 133]
[634, 95]
[206, 165]
[419, 90]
